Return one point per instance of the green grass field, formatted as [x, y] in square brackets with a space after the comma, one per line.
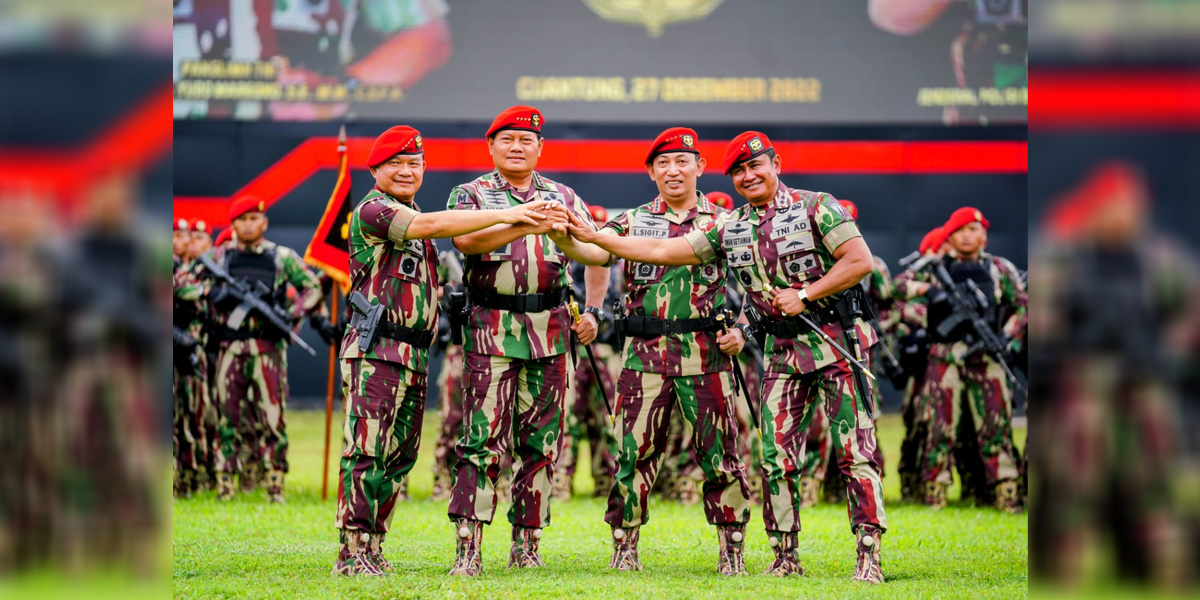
[251, 549]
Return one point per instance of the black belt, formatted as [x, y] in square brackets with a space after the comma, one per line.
[652, 327]
[420, 338]
[225, 334]
[519, 303]
[790, 328]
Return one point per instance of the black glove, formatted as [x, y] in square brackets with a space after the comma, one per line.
[329, 332]
[218, 293]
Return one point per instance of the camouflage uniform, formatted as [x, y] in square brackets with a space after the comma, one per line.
[385, 385]
[912, 312]
[955, 382]
[194, 415]
[817, 467]
[786, 242]
[516, 367]
[251, 370]
[684, 369]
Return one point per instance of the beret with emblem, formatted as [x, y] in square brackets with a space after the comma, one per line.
[179, 225]
[745, 147]
[245, 204]
[962, 217]
[599, 213]
[720, 199]
[675, 139]
[523, 118]
[851, 208]
[400, 139]
[932, 240]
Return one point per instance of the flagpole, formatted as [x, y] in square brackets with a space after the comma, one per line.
[333, 311]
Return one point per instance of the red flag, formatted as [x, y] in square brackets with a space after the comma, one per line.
[330, 246]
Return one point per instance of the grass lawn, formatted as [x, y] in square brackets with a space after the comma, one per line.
[251, 549]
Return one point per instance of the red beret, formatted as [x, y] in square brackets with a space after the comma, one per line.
[932, 240]
[200, 226]
[179, 225]
[851, 208]
[599, 213]
[523, 118]
[245, 204]
[675, 139]
[745, 147]
[225, 235]
[720, 199]
[963, 216]
[400, 139]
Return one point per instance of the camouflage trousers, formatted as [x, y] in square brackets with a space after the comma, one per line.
[450, 392]
[192, 421]
[818, 447]
[587, 419]
[644, 405]
[916, 430]
[252, 392]
[979, 388]
[385, 406]
[789, 403]
[509, 401]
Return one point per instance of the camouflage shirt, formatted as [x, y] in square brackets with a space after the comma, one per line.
[672, 293]
[1008, 291]
[529, 265]
[882, 292]
[785, 243]
[289, 270]
[397, 273]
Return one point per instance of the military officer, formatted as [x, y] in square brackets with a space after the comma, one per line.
[677, 359]
[516, 341]
[794, 251]
[393, 266]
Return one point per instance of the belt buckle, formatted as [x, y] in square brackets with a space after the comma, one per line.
[670, 327]
[530, 303]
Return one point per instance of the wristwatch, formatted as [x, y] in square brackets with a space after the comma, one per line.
[802, 293]
[745, 329]
[597, 312]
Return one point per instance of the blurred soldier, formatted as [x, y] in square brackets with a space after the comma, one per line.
[385, 352]
[518, 333]
[794, 251]
[114, 295]
[676, 361]
[223, 238]
[913, 343]
[200, 240]
[251, 373]
[1114, 311]
[720, 200]
[181, 241]
[587, 417]
[193, 407]
[959, 372]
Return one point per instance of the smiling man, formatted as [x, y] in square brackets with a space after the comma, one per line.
[677, 359]
[517, 337]
[393, 266]
[793, 251]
